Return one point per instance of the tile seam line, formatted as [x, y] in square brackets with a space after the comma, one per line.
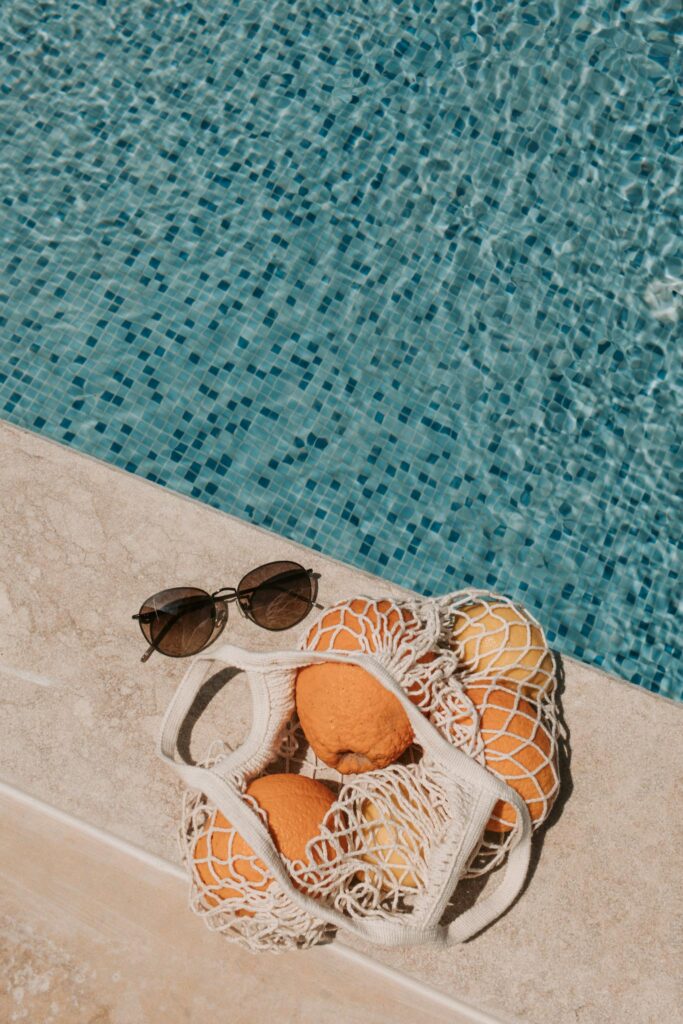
[370, 577]
[337, 948]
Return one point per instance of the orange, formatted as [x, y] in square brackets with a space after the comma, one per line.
[352, 723]
[420, 690]
[394, 843]
[517, 748]
[211, 858]
[296, 807]
[493, 636]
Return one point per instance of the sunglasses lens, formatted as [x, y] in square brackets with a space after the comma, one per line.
[179, 621]
[278, 595]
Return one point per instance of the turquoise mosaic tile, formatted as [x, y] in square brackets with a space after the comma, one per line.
[403, 281]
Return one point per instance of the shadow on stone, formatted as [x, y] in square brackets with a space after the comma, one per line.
[209, 690]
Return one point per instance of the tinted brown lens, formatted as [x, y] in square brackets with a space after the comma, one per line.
[278, 595]
[180, 621]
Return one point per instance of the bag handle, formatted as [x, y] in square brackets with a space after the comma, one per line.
[209, 781]
[267, 713]
[491, 907]
[253, 662]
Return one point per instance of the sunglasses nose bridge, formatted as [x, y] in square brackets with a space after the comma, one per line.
[179, 607]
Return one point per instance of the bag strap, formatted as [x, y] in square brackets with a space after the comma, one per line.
[210, 782]
[252, 753]
[178, 710]
[491, 907]
[242, 817]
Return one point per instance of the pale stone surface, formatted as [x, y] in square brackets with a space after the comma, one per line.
[91, 936]
[596, 935]
[82, 546]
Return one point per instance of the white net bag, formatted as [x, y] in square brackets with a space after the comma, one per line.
[500, 707]
[392, 838]
[483, 673]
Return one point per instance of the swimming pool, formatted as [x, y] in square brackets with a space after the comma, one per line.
[401, 281]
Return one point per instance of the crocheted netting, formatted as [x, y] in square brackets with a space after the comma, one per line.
[479, 669]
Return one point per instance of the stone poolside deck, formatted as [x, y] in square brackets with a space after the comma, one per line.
[596, 936]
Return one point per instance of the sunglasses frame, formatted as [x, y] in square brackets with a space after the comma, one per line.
[221, 599]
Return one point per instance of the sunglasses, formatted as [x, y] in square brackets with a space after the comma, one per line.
[184, 620]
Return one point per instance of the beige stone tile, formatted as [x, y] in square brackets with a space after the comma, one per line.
[83, 545]
[596, 935]
[90, 934]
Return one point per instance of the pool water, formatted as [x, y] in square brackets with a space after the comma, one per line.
[402, 281]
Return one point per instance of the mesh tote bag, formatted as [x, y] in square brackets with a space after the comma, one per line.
[501, 706]
[396, 840]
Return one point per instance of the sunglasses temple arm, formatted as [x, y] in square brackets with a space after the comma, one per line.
[233, 594]
[153, 647]
[169, 625]
[273, 583]
[283, 590]
[148, 653]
